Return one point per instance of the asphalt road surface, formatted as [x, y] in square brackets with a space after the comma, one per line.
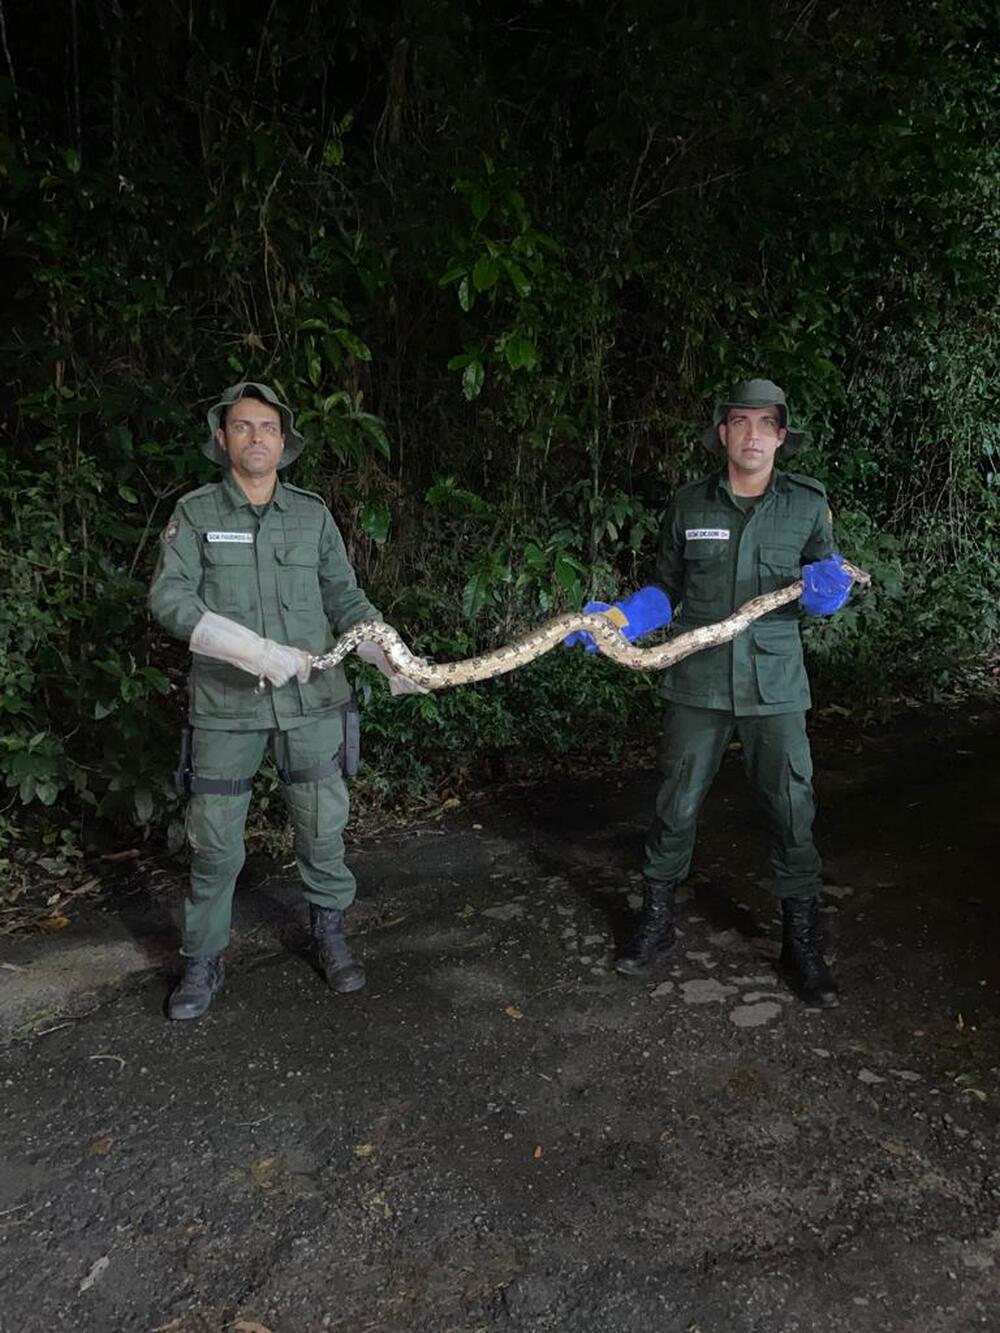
[500, 1134]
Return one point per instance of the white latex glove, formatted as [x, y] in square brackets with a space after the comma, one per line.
[226, 641]
[398, 683]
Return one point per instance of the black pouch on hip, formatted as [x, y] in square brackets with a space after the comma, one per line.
[182, 775]
[350, 749]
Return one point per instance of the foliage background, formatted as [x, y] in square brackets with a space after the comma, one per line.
[500, 257]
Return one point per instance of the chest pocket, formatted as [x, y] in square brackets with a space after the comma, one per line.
[706, 577]
[778, 566]
[298, 578]
[230, 576]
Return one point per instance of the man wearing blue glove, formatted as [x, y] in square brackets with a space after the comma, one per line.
[746, 529]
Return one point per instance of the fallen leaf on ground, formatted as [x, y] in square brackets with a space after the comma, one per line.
[538, 1152]
[101, 1147]
[512, 1011]
[96, 1273]
[132, 854]
[248, 1326]
[364, 1150]
[51, 924]
[264, 1172]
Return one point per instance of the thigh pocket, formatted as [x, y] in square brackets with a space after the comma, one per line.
[214, 825]
[318, 809]
[799, 792]
[777, 666]
[677, 802]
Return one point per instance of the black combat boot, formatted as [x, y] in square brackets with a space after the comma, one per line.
[801, 962]
[342, 972]
[202, 978]
[654, 933]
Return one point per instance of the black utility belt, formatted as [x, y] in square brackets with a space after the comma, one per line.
[346, 761]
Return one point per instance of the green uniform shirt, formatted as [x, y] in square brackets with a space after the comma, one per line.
[714, 555]
[281, 570]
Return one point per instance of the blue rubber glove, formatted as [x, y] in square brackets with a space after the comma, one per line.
[640, 614]
[826, 586]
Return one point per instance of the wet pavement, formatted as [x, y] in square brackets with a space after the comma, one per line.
[500, 1134]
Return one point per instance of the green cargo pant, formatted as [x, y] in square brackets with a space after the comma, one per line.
[215, 823]
[779, 765]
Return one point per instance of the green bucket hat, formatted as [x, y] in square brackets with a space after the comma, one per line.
[752, 393]
[294, 442]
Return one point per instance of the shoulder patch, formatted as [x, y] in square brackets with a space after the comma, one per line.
[810, 483]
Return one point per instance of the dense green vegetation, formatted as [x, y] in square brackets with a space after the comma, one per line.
[499, 256]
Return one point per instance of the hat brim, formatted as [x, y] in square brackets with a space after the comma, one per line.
[294, 443]
[792, 443]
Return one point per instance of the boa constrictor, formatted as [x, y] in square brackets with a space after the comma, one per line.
[611, 642]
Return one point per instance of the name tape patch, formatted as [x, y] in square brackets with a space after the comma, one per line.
[246, 537]
[707, 534]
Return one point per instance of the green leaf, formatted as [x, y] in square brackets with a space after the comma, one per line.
[104, 708]
[475, 595]
[455, 270]
[375, 519]
[461, 361]
[520, 353]
[518, 277]
[374, 428]
[333, 153]
[472, 380]
[480, 204]
[128, 495]
[355, 345]
[567, 572]
[314, 366]
[486, 272]
[444, 494]
[72, 159]
[466, 294]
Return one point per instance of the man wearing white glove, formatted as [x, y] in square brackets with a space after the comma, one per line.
[254, 576]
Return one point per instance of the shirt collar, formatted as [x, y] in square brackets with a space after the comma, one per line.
[775, 486]
[237, 500]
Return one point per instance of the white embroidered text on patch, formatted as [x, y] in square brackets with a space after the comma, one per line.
[246, 537]
[707, 534]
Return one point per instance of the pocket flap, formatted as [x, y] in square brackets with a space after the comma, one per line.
[228, 553]
[705, 550]
[784, 558]
[300, 555]
[774, 640]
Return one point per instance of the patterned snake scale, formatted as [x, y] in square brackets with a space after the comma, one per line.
[612, 643]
